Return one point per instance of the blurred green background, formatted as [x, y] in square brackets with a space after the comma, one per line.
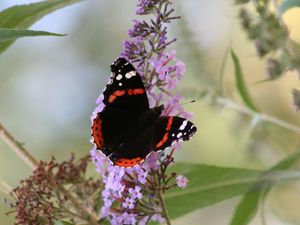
[48, 88]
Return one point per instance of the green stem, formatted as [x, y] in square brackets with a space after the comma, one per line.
[164, 208]
[263, 117]
[18, 148]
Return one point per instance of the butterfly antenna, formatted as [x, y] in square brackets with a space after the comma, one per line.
[192, 101]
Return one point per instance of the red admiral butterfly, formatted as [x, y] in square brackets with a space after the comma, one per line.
[127, 130]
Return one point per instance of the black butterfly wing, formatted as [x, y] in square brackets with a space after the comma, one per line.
[125, 99]
[165, 132]
[125, 88]
[170, 130]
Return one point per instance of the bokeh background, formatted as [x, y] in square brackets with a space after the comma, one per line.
[48, 88]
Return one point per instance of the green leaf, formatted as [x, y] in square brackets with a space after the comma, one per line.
[286, 5]
[23, 16]
[240, 83]
[249, 204]
[207, 185]
[61, 222]
[12, 34]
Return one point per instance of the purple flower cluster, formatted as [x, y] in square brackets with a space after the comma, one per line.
[130, 194]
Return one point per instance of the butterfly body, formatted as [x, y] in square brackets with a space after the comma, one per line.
[127, 129]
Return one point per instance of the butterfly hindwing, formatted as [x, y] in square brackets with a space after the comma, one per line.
[170, 130]
[160, 135]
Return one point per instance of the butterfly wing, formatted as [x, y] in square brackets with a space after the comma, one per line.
[124, 100]
[170, 130]
[165, 132]
[125, 88]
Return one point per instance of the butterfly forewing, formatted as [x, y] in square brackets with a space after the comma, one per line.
[125, 88]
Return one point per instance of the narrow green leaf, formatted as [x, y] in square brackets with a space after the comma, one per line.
[240, 83]
[23, 16]
[286, 5]
[207, 185]
[249, 204]
[246, 210]
[12, 34]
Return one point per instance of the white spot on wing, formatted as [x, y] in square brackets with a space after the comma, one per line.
[119, 77]
[184, 123]
[120, 84]
[179, 135]
[130, 74]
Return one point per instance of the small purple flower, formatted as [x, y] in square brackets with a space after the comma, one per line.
[151, 161]
[105, 211]
[181, 181]
[133, 48]
[180, 68]
[144, 220]
[136, 192]
[129, 203]
[158, 218]
[173, 108]
[107, 203]
[171, 82]
[161, 64]
[99, 160]
[117, 219]
[142, 175]
[140, 29]
[129, 218]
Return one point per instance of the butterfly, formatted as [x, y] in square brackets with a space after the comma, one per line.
[126, 130]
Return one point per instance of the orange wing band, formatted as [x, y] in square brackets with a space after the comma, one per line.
[97, 133]
[114, 95]
[165, 137]
[128, 162]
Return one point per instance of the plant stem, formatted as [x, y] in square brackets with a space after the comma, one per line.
[5, 187]
[164, 208]
[263, 117]
[78, 206]
[18, 148]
